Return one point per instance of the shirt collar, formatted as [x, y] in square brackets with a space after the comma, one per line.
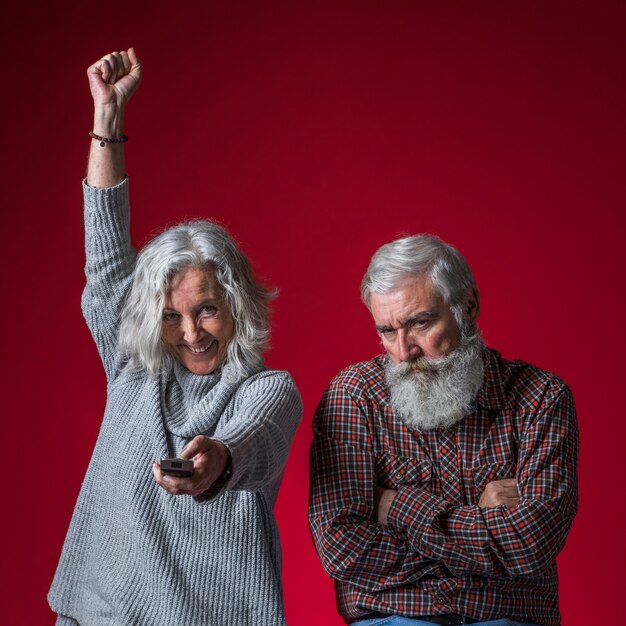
[376, 385]
[491, 394]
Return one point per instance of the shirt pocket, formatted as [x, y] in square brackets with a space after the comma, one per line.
[487, 472]
[394, 471]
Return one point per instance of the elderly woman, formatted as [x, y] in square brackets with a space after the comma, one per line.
[180, 328]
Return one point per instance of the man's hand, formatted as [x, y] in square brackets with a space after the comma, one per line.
[114, 78]
[210, 459]
[382, 503]
[498, 493]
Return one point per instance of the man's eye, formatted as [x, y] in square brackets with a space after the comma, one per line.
[170, 317]
[388, 334]
[209, 309]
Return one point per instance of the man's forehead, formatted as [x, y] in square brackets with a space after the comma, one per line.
[420, 287]
[411, 296]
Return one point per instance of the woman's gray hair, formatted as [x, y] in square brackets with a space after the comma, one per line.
[195, 244]
[420, 255]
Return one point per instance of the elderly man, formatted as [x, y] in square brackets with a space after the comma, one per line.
[443, 477]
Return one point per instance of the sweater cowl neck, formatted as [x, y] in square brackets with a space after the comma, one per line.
[192, 403]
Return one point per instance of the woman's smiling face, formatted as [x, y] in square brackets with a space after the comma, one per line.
[197, 324]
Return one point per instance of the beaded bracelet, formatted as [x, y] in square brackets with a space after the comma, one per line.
[105, 140]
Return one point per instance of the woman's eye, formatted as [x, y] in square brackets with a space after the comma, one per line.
[208, 310]
[170, 317]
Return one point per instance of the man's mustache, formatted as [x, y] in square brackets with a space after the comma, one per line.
[422, 365]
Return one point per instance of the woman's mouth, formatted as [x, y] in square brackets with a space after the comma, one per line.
[200, 349]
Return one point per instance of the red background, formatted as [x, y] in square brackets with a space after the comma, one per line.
[316, 132]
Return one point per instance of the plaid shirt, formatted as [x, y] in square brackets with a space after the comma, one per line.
[440, 552]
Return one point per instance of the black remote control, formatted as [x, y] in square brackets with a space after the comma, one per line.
[177, 467]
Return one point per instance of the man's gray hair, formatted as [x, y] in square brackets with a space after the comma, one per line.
[196, 244]
[420, 255]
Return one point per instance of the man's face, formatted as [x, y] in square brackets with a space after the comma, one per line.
[413, 321]
[435, 370]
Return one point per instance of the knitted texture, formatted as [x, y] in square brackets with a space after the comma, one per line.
[135, 554]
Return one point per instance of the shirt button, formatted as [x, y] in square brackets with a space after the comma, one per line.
[440, 599]
[450, 478]
[398, 475]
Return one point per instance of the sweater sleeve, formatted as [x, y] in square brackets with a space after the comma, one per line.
[267, 412]
[110, 260]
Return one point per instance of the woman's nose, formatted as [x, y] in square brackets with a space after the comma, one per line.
[191, 332]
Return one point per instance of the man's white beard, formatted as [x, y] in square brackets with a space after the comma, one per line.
[437, 393]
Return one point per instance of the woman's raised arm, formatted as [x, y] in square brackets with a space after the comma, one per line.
[112, 81]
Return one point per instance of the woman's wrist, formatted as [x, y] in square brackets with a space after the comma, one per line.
[226, 465]
[224, 459]
[108, 121]
[106, 159]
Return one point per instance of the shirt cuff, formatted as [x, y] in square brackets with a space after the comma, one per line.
[414, 512]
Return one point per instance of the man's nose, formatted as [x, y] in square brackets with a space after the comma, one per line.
[407, 348]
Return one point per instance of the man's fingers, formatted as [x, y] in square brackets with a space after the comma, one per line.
[382, 503]
[499, 493]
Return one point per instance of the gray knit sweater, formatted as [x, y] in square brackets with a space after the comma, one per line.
[135, 554]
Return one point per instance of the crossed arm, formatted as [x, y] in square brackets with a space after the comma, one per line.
[496, 493]
[379, 539]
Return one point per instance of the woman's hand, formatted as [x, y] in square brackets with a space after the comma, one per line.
[114, 78]
[112, 81]
[210, 459]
